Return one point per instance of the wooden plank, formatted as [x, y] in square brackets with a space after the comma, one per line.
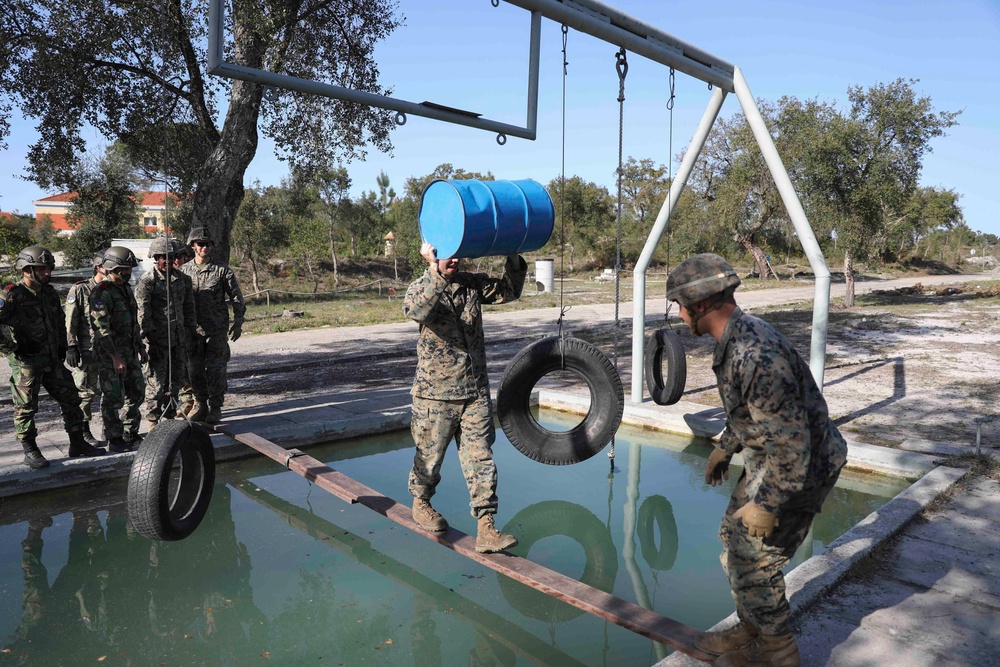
[592, 600]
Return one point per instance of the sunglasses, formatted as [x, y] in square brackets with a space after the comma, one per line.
[203, 244]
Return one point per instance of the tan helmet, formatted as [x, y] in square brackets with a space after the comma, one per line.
[119, 256]
[34, 255]
[199, 234]
[699, 277]
[99, 257]
[161, 245]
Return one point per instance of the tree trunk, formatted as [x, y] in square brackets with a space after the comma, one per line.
[759, 257]
[333, 256]
[849, 278]
[253, 275]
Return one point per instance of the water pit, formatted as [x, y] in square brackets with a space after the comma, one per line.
[284, 571]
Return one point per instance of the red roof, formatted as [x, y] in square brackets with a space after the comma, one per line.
[62, 197]
[150, 198]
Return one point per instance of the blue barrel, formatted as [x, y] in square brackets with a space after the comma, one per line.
[472, 218]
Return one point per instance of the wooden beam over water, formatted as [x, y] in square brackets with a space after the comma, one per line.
[591, 600]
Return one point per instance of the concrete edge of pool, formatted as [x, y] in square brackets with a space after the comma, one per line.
[333, 417]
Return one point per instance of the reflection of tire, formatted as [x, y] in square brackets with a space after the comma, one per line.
[658, 510]
[158, 509]
[665, 346]
[607, 400]
[558, 517]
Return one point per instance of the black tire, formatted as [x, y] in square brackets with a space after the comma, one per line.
[155, 509]
[558, 517]
[658, 510]
[665, 346]
[607, 401]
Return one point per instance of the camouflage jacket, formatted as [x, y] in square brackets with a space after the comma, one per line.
[451, 350]
[213, 285]
[115, 318]
[151, 298]
[32, 325]
[775, 415]
[79, 331]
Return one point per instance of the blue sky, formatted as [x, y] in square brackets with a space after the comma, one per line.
[468, 54]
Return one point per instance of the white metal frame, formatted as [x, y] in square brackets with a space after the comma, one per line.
[612, 26]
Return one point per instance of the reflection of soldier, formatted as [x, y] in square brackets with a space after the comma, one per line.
[451, 392]
[119, 349]
[33, 335]
[215, 289]
[792, 452]
[167, 322]
[80, 353]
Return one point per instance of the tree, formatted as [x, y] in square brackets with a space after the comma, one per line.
[866, 163]
[14, 237]
[333, 186]
[105, 207]
[129, 68]
[588, 211]
[260, 228]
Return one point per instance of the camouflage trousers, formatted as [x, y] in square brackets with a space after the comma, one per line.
[121, 394]
[87, 380]
[26, 380]
[207, 371]
[165, 374]
[754, 564]
[470, 423]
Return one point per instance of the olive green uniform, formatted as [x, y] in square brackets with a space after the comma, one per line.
[167, 323]
[777, 417]
[115, 318]
[215, 289]
[451, 391]
[33, 335]
[79, 333]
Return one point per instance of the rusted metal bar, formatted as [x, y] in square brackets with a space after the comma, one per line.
[591, 600]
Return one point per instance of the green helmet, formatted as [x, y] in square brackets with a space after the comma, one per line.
[161, 245]
[99, 257]
[34, 255]
[119, 256]
[699, 277]
[199, 234]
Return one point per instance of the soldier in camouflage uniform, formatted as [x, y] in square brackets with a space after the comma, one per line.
[451, 392]
[777, 418]
[215, 289]
[119, 349]
[33, 336]
[80, 351]
[167, 323]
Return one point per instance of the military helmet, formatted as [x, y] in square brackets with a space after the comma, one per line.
[199, 234]
[119, 256]
[699, 277]
[99, 257]
[161, 245]
[34, 255]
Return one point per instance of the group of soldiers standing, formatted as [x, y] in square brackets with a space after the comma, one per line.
[171, 335]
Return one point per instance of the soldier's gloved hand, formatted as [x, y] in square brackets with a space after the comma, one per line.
[73, 358]
[717, 468]
[759, 522]
[235, 331]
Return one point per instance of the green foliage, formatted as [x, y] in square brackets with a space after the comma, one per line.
[14, 237]
[585, 228]
[260, 230]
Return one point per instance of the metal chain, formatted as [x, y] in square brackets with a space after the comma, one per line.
[621, 66]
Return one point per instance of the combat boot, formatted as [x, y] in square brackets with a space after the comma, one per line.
[214, 415]
[119, 446]
[90, 438]
[185, 409]
[427, 517]
[133, 440]
[489, 539]
[32, 457]
[727, 640]
[198, 411]
[78, 446]
[764, 651]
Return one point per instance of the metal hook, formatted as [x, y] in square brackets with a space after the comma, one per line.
[495, 3]
[501, 138]
[621, 64]
[400, 118]
[270, 93]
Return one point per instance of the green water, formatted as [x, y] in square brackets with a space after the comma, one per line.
[283, 573]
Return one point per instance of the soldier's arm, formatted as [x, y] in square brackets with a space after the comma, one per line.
[773, 398]
[423, 294]
[235, 297]
[143, 300]
[73, 312]
[509, 286]
[190, 312]
[7, 310]
[100, 320]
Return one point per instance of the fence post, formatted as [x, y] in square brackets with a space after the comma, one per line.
[267, 294]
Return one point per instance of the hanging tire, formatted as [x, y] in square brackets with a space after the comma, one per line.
[657, 512]
[607, 401]
[665, 346]
[162, 508]
[558, 517]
